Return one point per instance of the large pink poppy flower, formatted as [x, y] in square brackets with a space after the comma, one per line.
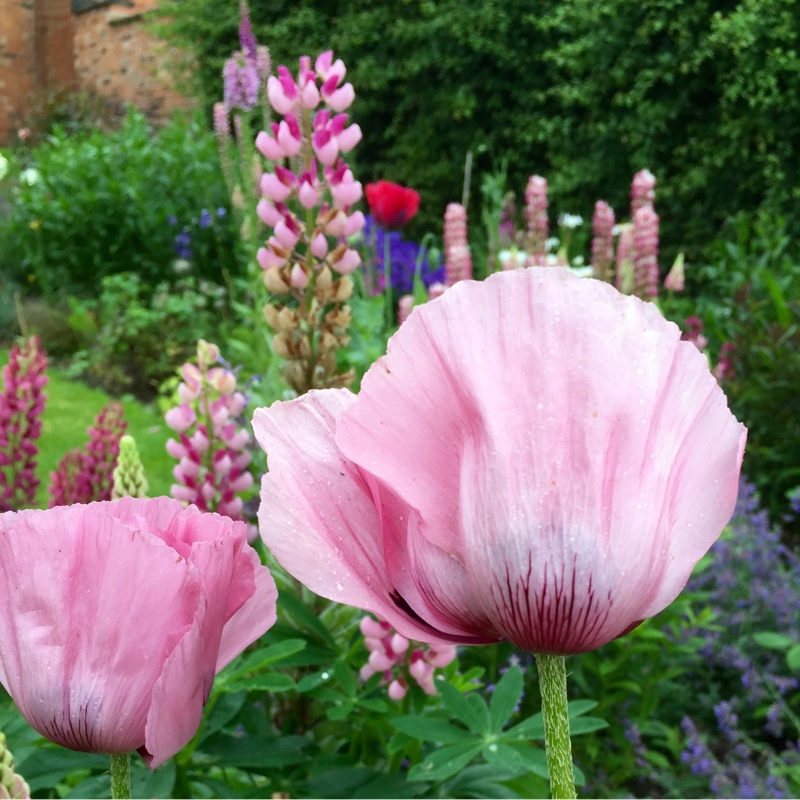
[538, 458]
[115, 617]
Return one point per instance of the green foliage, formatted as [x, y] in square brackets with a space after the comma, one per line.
[748, 297]
[134, 337]
[102, 206]
[701, 93]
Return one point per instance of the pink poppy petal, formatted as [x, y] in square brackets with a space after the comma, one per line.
[72, 622]
[178, 698]
[556, 425]
[312, 495]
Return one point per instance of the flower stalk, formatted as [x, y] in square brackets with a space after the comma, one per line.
[121, 776]
[553, 686]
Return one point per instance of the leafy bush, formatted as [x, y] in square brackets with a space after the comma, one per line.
[701, 93]
[747, 296]
[135, 337]
[99, 204]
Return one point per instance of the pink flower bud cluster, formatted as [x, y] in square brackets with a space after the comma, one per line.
[457, 259]
[536, 216]
[322, 180]
[21, 405]
[643, 190]
[404, 306]
[694, 333]
[211, 447]
[645, 252]
[727, 361]
[602, 240]
[87, 474]
[392, 655]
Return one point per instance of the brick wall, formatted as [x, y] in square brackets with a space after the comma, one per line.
[116, 57]
[44, 46]
[35, 55]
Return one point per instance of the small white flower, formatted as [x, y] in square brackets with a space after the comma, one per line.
[30, 176]
[577, 261]
[570, 220]
[3, 166]
[552, 243]
[181, 265]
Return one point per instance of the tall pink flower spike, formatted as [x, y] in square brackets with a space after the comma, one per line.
[537, 458]
[115, 617]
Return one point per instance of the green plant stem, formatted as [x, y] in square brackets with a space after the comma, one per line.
[387, 277]
[121, 776]
[553, 685]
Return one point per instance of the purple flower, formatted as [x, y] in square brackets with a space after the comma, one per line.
[205, 218]
[241, 82]
[403, 257]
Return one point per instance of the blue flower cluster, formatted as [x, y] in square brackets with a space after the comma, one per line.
[753, 586]
[182, 244]
[403, 258]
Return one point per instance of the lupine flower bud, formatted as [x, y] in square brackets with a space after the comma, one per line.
[129, 477]
[404, 306]
[392, 655]
[645, 253]
[642, 191]
[675, 280]
[536, 216]
[457, 260]
[602, 241]
[12, 785]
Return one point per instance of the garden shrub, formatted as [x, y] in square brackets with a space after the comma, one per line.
[97, 204]
[747, 296]
[135, 337]
[701, 93]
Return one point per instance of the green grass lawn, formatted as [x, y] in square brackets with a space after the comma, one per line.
[71, 408]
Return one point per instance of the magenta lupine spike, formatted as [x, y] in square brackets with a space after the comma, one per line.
[391, 654]
[603, 241]
[694, 333]
[21, 405]
[211, 448]
[536, 217]
[623, 279]
[457, 259]
[645, 253]
[404, 306]
[436, 290]
[86, 475]
[643, 190]
[309, 208]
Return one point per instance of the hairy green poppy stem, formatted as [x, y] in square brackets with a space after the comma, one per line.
[121, 776]
[553, 685]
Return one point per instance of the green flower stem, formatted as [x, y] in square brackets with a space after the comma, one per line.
[387, 278]
[121, 776]
[553, 685]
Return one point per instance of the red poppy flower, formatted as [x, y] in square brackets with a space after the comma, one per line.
[392, 205]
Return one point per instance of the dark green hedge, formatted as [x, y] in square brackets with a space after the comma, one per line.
[701, 92]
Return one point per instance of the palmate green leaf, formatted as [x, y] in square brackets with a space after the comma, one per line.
[773, 641]
[479, 781]
[503, 757]
[793, 658]
[432, 730]
[445, 762]
[471, 709]
[259, 659]
[271, 682]
[530, 728]
[586, 725]
[505, 698]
